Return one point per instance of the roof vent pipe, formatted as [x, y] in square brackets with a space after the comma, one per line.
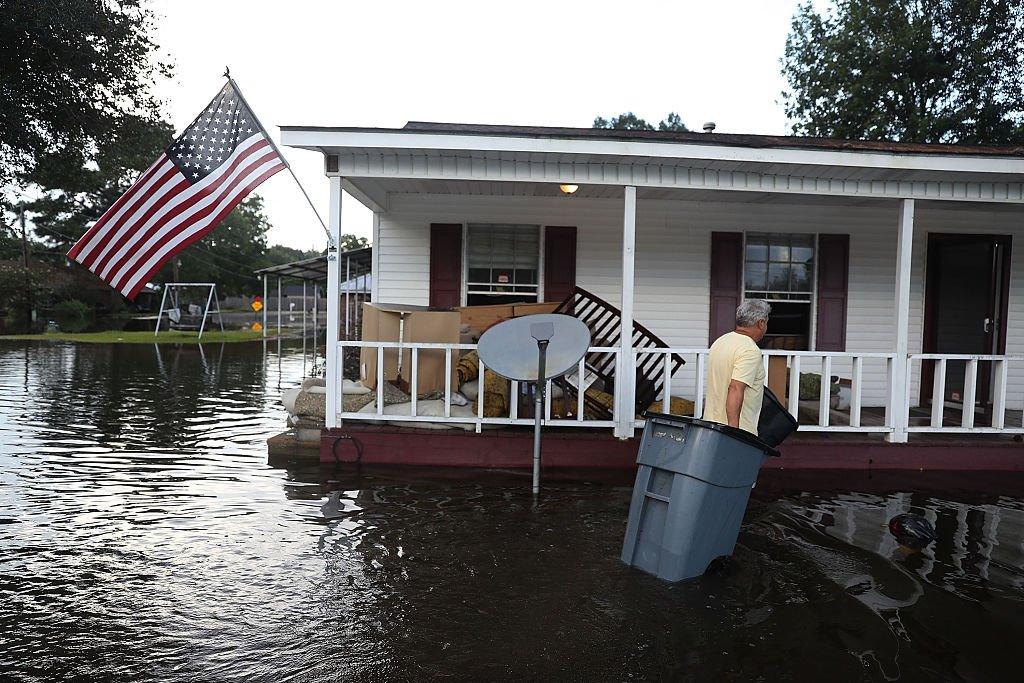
[709, 127]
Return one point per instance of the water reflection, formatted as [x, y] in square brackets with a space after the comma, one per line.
[143, 536]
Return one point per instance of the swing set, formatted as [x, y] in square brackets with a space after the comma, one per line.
[193, 316]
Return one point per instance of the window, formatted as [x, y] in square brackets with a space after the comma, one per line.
[502, 264]
[780, 269]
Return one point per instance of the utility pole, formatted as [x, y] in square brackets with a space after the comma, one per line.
[24, 237]
[24, 258]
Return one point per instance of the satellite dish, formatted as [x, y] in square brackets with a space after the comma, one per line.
[535, 348]
[510, 348]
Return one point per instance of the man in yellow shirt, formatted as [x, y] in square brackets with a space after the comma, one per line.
[736, 370]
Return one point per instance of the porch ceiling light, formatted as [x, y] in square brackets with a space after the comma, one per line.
[568, 189]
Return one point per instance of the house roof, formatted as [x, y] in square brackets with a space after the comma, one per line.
[722, 139]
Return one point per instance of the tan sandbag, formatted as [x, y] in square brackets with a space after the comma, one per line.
[468, 367]
[678, 406]
[311, 404]
[496, 395]
[604, 399]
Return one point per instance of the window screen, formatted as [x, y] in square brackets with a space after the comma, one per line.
[778, 266]
[502, 262]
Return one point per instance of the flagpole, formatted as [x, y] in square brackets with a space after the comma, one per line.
[238, 91]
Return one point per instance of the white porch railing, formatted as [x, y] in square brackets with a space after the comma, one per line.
[822, 362]
[993, 407]
[866, 405]
[578, 419]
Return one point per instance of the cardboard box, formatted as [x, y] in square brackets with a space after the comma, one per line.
[477, 319]
[393, 322]
[778, 377]
[519, 310]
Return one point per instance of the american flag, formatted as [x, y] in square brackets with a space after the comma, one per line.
[211, 167]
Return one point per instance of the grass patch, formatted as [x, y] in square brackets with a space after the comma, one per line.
[142, 337]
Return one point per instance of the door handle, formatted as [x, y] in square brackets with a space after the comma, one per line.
[990, 324]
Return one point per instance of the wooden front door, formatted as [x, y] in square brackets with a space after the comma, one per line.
[968, 280]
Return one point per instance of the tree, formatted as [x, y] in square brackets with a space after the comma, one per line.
[630, 121]
[911, 70]
[71, 72]
[278, 254]
[79, 185]
[348, 242]
[673, 122]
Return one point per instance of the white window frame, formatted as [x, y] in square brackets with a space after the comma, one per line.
[812, 333]
[464, 294]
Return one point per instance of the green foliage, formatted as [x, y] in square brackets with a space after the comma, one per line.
[78, 188]
[71, 309]
[278, 254]
[626, 121]
[630, 121]
[72, 315]
[673, 122]
[912, 70]
[71, 73]
[348, 242]
[144, 337]
[39, 286]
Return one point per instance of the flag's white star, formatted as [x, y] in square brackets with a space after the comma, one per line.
[195, 175]
[209, 159]
[219, 158]
[248, 130]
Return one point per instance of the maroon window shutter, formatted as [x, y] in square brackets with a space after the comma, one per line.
[559, 262]
[726, 281]
[445, 264]
[833, 285]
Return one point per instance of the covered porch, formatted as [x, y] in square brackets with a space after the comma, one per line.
[893, 274]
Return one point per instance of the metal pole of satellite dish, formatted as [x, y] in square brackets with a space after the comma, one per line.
[538, 411]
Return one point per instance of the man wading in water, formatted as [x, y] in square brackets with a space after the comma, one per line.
[736, 371]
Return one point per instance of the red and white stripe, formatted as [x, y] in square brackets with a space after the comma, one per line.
[162, 213]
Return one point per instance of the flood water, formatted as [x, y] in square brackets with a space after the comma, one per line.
[143, 536]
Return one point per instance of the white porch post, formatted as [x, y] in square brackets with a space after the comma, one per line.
[265, 304]
[625, 374]
[898, 389]
[333, 372]
[375, 258]
[348, 276]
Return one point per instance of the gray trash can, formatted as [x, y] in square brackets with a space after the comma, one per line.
[691, 491]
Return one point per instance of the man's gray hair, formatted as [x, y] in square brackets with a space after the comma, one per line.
[750, 311]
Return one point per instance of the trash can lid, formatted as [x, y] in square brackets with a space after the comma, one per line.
[734, 432]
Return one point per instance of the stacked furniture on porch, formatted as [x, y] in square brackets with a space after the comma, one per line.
[411, 324]
[605, 323]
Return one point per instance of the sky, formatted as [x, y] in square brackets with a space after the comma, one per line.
[383, 63]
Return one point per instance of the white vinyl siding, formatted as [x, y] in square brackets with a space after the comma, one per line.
[673, 259]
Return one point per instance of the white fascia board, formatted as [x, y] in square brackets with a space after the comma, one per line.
[331, 142]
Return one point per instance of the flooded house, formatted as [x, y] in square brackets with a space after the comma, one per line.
[893, 271]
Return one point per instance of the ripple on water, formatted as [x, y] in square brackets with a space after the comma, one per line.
[144, 536]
